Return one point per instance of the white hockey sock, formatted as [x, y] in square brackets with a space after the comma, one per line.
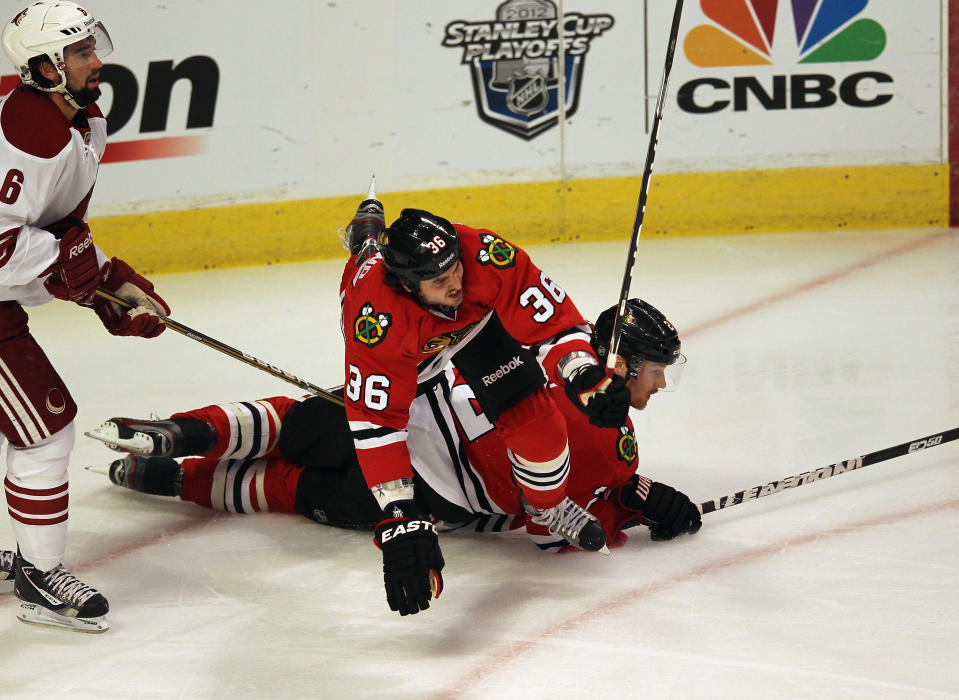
[38, 496]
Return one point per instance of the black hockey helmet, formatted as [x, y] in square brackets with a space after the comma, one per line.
[419, 246]
[646, 335]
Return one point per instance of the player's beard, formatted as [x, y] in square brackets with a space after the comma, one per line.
[86, 96]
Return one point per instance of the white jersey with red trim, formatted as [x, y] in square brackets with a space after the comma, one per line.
[48, 167]
[393, 343]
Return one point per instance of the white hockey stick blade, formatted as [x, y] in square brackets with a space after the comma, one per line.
[34, 614]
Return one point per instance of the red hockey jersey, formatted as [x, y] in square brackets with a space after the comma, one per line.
[459, 453]
[393, 344]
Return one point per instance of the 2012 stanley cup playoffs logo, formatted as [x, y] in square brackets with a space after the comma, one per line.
[515, 62]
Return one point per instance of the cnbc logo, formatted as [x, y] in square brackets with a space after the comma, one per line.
[825, 34]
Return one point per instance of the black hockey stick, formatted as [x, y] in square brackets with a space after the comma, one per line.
[227, 350]
[849, 465]
[644, 187]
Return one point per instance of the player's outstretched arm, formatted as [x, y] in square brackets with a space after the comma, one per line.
[412, 560]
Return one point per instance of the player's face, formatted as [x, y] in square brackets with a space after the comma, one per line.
[83, 67]
[650, 378]
[445, 290]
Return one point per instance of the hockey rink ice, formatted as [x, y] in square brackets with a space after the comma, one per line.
[803, 350]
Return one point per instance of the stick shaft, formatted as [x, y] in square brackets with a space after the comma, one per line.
[848, 465]
[231, 351]
[644, 186]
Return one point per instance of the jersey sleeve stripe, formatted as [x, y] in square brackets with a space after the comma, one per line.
[8, 241]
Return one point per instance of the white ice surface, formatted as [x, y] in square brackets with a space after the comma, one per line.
[803, 350]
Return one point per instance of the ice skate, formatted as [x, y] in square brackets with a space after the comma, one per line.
[174, 437]
[7, 569]
[57, 598]
[158, 476]
[366, 224]
[574, 523]
[152, 438]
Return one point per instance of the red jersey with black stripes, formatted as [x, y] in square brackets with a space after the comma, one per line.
[48, 167]
[393, 343]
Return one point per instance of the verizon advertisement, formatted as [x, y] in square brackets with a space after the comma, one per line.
[211, 104]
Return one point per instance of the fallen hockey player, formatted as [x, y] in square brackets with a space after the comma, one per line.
[297, 456]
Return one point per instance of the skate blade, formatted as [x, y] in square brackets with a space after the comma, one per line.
[34, 614]
[140, 443]
[98, 470]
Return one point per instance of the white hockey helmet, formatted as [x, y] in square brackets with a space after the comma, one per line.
[46, 28]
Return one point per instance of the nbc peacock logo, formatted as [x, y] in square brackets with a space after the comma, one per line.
[757, 33]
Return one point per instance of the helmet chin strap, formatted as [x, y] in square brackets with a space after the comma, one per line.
[77, 101]
[80, 101]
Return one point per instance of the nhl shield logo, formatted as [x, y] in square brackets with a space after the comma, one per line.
[515, 62]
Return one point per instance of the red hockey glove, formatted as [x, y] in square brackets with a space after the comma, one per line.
[76, 273]
[143, 320]
[600, 394]
[412, 561]
[668, 512]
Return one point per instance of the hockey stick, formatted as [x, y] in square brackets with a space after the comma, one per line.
[644, 187]
[227, 350]
[826, 472]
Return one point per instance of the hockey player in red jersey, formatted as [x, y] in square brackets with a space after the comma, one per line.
[52, 136]
[268, 455]
[432, 292]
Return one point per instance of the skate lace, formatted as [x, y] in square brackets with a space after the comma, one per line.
[6, 561]
[567, 519]
[68, 587]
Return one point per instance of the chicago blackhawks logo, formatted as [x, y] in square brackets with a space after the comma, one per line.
[370, 327]
[497, 252]
[626, 445]
[447, 340]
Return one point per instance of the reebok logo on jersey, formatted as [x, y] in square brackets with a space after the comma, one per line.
[75, 250]
[502, 371]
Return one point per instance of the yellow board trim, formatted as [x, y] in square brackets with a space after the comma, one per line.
[684, 204]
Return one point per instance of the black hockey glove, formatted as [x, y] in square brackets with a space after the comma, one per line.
[668, 512]
[601, 395]
[412, 560]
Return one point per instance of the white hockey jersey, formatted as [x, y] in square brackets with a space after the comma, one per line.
[48, 167]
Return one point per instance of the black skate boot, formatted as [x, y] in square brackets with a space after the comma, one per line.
[7, 569]
[579, 527]
[59, 599]
[361, 232]
[175, 437]
[159, 476]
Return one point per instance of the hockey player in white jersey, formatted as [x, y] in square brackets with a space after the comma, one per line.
[52, 136]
